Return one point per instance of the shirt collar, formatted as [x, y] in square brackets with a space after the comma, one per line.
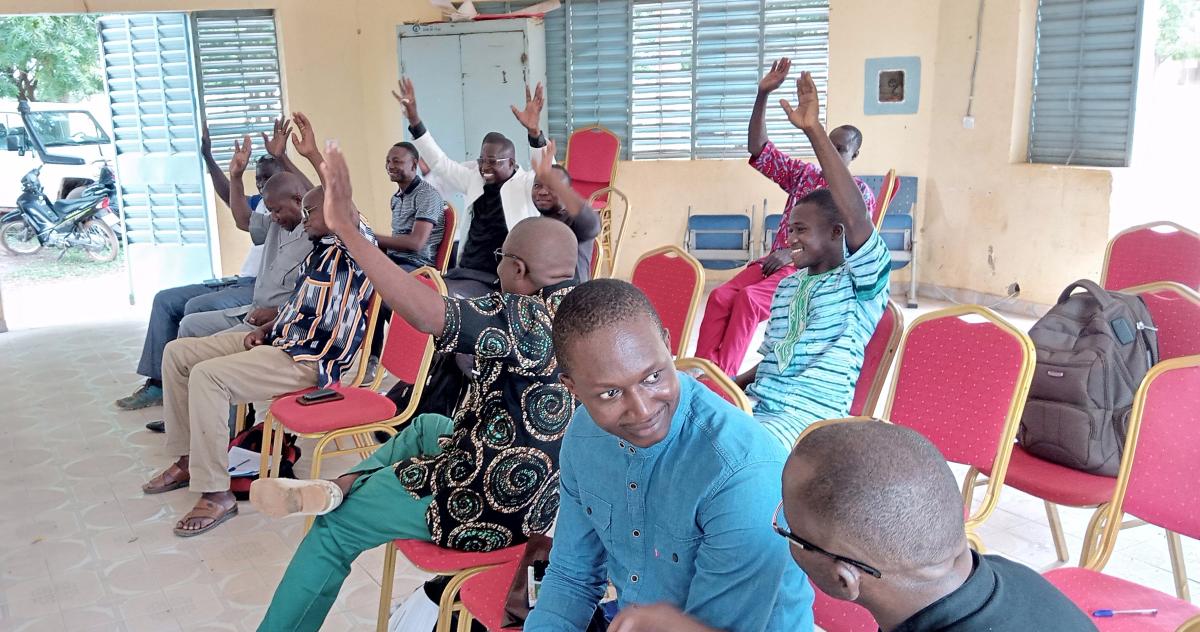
[968, 599]
[412, 186]
[687, 388]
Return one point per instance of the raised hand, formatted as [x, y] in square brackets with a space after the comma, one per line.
[304, 140]
[776, 76]
[241, 157]
[407, 97]
[205, 143]
[543, 169]
[807, 113]
[531, 115]
[276, 144]
[340, 214]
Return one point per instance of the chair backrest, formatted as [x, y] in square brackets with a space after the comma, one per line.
[612, 225]
[962, 376]
[770, 228]
[1156, 481]
[673, 281]
[450, 218]
[883, 199]
[407, 353]
[1176, 313]
[1159, 251]
[716, 380]
[592, 154]
[597, 259]
[719, 241]
[877, 360]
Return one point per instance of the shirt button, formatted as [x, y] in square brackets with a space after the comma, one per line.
[674, 557]
[589, 511]
[636, 533]
[633, 579]
[631, 450]
[621, 443]
[633, 486]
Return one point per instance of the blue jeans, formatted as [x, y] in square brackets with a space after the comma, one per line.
[170, 306]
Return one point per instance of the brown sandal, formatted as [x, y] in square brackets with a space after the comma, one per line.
[205, 508]
[170, 480]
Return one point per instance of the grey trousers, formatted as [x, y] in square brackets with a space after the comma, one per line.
[169, 308]
[199, 324]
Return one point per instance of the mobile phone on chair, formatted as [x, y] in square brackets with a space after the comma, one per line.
[319, 396]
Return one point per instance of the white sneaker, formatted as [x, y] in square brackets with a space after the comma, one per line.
[279, 497]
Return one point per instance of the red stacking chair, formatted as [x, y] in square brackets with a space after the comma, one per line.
[459, 566]
[1156, 483]
[715, 379]
[592, 154]
[609, 236]
[877, 360]
[450, 218]
[485, 595]
[673, 280]
[1159, 251]
[597, 259]
[406, 354]
[1176, 312]
[887, 191]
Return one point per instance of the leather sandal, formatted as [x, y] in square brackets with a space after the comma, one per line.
[205, 509]
[170, 479]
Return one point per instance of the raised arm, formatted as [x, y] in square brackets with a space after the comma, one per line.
[530, 117]
[410, 299]
[846, 196]
[276, 145]
[216, 174]
[237, 201]
[305, 142]
[452, 173]
[757, 136]
[585, 221]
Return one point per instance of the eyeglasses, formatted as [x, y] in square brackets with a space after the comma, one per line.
[805, 545]
[491, 162]
[500, 255]
[305, 211]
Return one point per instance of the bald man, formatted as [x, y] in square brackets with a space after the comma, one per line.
[313, 339]
[485, 480]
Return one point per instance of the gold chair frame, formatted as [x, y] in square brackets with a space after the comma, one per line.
[887, 191]
[451, 227]
[685, 334]
[714, 373]
[611, 246]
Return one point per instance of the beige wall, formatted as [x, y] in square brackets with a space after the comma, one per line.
[986, 218]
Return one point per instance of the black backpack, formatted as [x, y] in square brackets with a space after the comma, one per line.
[1093, 349]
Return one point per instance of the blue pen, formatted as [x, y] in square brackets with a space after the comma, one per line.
[248, 460]
[1150, 612]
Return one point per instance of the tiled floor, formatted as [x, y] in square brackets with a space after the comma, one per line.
[81, 548]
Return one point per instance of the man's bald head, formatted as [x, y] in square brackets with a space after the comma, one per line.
[282, 195]
[548, 248]
[314, 199]
[876, 489]
[284, 183]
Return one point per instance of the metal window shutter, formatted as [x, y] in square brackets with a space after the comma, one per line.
[1085, 82]
[238, 59]
[663, 67]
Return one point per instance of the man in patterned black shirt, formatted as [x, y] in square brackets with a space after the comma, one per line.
[483, 481]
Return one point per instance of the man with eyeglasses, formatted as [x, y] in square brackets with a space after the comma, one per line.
[666, 489]
[498, 192]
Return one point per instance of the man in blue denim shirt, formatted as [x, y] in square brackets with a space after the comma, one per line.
[666, 489]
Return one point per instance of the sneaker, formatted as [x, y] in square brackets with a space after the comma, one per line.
[144, 397]
[279, 497]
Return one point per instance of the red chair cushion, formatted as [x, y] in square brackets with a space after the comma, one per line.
[484, 595]
[360, 406]
[873, 365]
[1055, 483]
[1093, 591]
[836, 615]
[435, 559]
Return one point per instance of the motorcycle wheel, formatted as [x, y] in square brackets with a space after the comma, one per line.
[102, 241]
[18, 238]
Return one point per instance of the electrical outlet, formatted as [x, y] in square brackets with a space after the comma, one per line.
[968, 122]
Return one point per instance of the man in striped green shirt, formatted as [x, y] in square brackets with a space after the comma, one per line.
[823, 315]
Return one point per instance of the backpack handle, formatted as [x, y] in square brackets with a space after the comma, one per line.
[1100, 294]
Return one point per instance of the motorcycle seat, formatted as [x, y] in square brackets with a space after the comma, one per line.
[66, 207]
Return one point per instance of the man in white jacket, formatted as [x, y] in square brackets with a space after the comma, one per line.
[499, 192]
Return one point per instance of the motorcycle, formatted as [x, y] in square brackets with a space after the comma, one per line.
[64, 224]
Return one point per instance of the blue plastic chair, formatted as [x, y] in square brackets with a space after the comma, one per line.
[719, 241]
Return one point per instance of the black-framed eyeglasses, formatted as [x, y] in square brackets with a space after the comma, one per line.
[305, 211]
[805, 545]
[500, 255]
[491, 162]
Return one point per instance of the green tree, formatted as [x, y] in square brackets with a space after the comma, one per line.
[49, 57]
[1178, 30]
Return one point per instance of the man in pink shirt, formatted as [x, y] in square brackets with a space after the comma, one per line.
[735, 309]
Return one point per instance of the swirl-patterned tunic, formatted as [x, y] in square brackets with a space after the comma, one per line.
[495, 482]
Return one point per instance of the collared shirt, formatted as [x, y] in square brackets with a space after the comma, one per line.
[816, 337]
[1000, 596]
[253, 260]
[283, 253]
[325, 319]
[798, 178]
[686, 521]
[496, 480]
[418, 202]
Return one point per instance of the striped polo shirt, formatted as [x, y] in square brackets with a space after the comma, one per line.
[815, 341]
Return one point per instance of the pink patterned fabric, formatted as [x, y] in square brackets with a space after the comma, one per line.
[484, 595]
[433, 558]
[1162, 485]
[798, 178]
[873, 368]
[669, 281]
[955, 383]
[835, 615]
[1146, 255]
[1093, 591]
[1178, 321]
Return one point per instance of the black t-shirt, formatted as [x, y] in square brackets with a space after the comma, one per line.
[1000, 596]
[487, 232]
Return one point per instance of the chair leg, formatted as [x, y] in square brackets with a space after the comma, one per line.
[1093, 540]
[969, 485]
[464, 619]
[277, 449]
[1178, 567]
[315, 473]
[264, 464]
[1056, 531]
[385, 589]
[239, 420]
[974, 542]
